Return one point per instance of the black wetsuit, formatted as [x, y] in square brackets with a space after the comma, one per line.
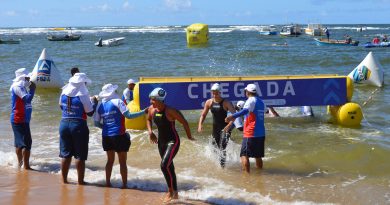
[219, 115]
[168, 145]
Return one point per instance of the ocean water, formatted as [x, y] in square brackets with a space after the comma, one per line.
[308, 160]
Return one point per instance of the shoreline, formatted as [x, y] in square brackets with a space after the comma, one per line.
[37, 187]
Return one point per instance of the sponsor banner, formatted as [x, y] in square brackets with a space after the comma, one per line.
[276, 93]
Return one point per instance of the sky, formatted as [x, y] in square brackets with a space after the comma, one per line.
[54, 13]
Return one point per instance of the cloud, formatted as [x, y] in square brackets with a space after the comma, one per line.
[104, 7]
[177, 5]
[10, 13]
[126, 6]
[33, 12]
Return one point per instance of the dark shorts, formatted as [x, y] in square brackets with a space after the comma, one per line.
[74, 139]
[252, 147]
[119, 143]
[22, 135]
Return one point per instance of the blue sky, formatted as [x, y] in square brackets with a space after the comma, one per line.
[39, 13]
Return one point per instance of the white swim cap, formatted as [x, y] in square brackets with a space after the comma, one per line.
[131, 81]
[251, 88]
[215, 87]
[158, 94]
[240, 104]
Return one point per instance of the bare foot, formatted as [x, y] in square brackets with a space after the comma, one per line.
[167, 195]
[65, 181]
[28, 168]
[82, 183]
[175, 195]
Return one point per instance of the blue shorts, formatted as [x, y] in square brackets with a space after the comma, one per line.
[119, 143]
[74, 138]
[252, 147]
[22, 135]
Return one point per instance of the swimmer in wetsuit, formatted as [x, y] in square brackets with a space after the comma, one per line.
[218, 107]
[168, 139]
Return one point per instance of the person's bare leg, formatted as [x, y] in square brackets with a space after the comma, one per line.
[259, 163]
[109, 164]
[122, 156]
[26, 159]
[19, 155]
[245, 164]
[65, 164]
[80, 166]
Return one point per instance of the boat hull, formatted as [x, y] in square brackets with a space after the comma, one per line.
[111, 42]
[371, 45]
[332, 42]
[63, 38]
[10, 41]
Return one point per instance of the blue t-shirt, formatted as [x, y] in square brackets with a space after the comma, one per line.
[75, 107]
[111, 112]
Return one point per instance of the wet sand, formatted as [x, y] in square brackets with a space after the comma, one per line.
[33, 187]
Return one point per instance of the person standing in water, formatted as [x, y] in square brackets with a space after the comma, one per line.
[112, 111]
[21, 98]
[75, 104]
[219, 108]
[254, 130]
[127, 96]
[168, 139]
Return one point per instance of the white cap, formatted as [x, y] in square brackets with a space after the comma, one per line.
[21, 73]
[130, 81]
[215, 87]
[240, 104]
[158, 94]
[251, 88]
[80, 78]
[108, 90]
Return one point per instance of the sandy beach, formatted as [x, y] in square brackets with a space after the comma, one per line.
[34, 187]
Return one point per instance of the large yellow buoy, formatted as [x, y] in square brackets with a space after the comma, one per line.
[350, 115]
[197, 33]
[349, 89]
[138, 123]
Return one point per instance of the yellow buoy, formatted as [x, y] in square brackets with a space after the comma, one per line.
[350, 115]
[138, 123]
[197, 33]
[349, 89]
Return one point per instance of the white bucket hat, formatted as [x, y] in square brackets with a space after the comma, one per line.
[251, 88]
[20, 74]
[80, 78]
[215, 87]
[108, 90]
[240, 104]
[131, 81]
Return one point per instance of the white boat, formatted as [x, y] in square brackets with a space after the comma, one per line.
[291, 30]
[314, 29]
[268, 30]
[110, 42]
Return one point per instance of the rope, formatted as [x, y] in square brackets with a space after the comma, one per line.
[370, 98]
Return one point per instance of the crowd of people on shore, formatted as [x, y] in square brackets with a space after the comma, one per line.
[109, 110]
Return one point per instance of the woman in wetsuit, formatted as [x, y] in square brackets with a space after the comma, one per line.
[168, 140]
[218, 107]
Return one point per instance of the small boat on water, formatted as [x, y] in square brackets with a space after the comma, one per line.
[376, 45]
[10, 41]
[66, 37]
[268, 30]
[69, 36]
[110, 42]
[324, 41]
[314, 29]
[292, 30]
